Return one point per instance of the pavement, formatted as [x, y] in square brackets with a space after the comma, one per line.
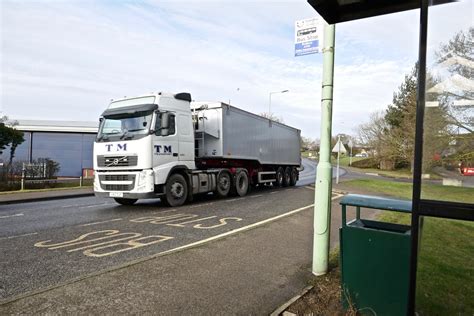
[32, 196]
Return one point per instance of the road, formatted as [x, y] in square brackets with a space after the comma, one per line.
[48, 243]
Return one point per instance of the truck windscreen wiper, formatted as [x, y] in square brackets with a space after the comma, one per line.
[103, 137]
[125, 133]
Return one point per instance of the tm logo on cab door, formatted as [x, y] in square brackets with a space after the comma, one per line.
[163, 149]
[115, 148]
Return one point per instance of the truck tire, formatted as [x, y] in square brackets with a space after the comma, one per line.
[176, 190]
[224, 183]
[294, 176]
[287, 177]
[279, 177]
[241, 183]
[125, 201]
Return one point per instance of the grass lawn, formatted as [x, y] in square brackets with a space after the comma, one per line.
[446, 262]
[305, 154]
[344, 161]
[399, 173]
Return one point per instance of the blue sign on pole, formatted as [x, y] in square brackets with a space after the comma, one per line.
[306, 48]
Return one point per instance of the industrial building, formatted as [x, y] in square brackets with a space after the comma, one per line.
[69, 143]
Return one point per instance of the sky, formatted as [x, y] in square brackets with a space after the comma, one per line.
[65, 60]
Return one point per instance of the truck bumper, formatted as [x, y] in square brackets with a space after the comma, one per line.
[126, 184]
[137, 196]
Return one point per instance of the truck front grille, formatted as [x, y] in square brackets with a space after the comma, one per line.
[117, 161]
[117, 187]
[106, 179]
[117, 177]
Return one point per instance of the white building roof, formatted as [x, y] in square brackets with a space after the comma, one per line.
[55, 126]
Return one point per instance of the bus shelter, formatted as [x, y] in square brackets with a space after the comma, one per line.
[443, 81]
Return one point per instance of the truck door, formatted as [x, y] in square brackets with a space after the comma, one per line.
[165, 148]
[186, 137]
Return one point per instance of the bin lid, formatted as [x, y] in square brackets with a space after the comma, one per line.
[377, 202]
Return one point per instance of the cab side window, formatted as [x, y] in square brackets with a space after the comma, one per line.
[172, 128]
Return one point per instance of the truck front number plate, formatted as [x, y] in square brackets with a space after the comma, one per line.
[116, 194]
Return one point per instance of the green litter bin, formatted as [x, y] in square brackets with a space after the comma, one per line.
[375, 258]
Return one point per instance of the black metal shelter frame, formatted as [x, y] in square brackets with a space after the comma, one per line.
[335, 11]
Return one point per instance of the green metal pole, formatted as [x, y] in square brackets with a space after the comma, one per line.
[322, 195]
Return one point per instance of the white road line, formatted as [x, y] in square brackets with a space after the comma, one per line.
[95, 205]
[16, 236]
[84, 205]
[308, 187]
[202, 204]
[14, 215]
[96, 223]
[232, 200]
[273, 192]
[255, 196]
[235, 231]
[337, 196]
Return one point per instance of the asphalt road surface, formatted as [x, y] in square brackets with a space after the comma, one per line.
[48, 243]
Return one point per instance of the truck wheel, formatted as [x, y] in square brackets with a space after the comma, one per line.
[125, 201]
[176, 190]
[242, 183]
[224, 182]
[279, 177]
[294, 176]
[287, 177]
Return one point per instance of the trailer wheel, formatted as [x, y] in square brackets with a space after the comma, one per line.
[287, 177]
[125, 201]
[294, 176]
[176, 190]
[224, 182]
[279, 177]
[242, 183]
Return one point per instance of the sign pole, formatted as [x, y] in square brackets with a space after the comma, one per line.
[338, 155]
[322, 194]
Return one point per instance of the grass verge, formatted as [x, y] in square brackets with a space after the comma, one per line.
[446, 263]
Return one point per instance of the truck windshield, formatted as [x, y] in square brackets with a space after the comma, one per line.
[125, 126]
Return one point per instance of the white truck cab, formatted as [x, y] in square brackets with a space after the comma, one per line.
[140, 141]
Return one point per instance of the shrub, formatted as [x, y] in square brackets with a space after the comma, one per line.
[366, 163]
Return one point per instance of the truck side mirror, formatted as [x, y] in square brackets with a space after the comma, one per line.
[165, 123]
[165, 120]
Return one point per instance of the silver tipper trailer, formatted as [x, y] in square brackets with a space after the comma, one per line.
[224, 131]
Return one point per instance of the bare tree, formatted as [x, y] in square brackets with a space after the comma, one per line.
[272, 116]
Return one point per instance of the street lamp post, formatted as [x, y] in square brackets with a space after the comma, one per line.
[270, 101]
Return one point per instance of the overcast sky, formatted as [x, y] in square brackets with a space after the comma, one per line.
[65, 60]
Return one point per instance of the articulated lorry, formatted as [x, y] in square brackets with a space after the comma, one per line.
[166, 146]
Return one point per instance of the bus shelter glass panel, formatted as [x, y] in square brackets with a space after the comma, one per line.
[445, 269]
[448, 146]
[445, 274]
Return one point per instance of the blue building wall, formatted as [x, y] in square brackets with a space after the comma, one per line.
[73, 151]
